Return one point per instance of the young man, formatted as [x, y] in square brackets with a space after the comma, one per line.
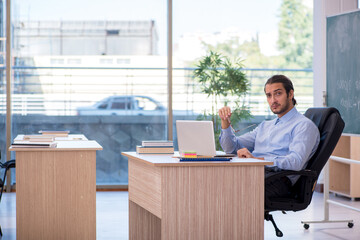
[288, 141]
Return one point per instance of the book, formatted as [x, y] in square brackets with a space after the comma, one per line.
[157, 146]
[157, 143]
[38, 138]
[200, 159]
[154, 150]
[34, 144]
[64, 133]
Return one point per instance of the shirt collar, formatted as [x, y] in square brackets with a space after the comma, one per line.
[287, 116]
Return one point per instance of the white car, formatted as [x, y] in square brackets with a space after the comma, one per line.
[128, 105]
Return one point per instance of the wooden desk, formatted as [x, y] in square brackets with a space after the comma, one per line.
[169, 199]
[56, 191]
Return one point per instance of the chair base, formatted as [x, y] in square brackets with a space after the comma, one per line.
[269, 217]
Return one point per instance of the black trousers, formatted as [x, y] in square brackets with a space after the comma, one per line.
[277, 188]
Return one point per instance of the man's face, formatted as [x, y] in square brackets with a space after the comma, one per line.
[280, 103]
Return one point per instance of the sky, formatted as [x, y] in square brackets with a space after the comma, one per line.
[189, 16]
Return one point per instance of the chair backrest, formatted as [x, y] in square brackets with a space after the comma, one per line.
[330, 125]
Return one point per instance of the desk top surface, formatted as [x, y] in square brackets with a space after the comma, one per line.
[63, 144]
[163, 160]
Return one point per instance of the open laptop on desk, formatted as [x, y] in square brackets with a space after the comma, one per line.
[198, 136]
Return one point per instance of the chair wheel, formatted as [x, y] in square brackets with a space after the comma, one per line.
[279, 233]
[306, 226]
[350, 224]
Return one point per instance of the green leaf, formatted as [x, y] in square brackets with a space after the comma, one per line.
[221, 78]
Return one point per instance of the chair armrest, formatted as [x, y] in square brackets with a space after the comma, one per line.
[285, 173]
[9, 164]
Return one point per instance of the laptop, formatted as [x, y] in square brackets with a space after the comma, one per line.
[198, 136]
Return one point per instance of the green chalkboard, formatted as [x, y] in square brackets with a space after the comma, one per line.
[343, 67]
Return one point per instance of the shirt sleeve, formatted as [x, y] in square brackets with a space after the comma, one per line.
[304, 143]
[230, 143]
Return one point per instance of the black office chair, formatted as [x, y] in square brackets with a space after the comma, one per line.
[6, 166]
[330, 125]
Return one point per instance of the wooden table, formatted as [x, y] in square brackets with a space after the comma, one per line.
[56, 191]
[169, 199]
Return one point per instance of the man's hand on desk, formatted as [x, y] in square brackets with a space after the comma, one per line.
[245, 153]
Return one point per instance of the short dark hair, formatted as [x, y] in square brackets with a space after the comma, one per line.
[286, 82]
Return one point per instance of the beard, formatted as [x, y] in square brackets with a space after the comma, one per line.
[282, 109]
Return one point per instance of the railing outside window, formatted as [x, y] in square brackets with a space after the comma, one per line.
[60, 91]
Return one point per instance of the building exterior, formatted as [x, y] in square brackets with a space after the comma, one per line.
[35, 38]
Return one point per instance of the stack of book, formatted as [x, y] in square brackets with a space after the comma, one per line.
[156, 147]
[188, 154]
[38, 138]
[34, 141]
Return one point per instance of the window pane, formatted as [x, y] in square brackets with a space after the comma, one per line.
[74, 58]
[239, 30]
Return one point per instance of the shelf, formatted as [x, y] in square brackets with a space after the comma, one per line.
[342, 193]
[344, 177]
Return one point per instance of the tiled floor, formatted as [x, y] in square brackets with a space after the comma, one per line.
[112, 219]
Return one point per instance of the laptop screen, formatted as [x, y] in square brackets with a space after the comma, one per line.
[196, 136]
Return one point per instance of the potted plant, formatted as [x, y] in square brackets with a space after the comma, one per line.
[225, 83]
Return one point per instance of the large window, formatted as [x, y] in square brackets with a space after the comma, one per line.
[100, 67]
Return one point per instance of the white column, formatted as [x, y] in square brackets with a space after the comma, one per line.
[170, 68]
[8, 88]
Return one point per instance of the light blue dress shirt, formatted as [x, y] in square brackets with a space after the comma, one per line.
[288, 142]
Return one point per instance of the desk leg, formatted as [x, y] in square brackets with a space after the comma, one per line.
[143, 224]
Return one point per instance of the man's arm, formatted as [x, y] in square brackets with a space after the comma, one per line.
[225, 114]
[230, 143]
